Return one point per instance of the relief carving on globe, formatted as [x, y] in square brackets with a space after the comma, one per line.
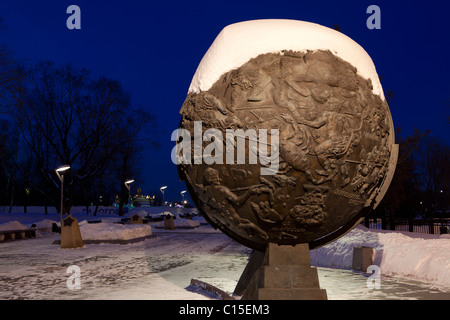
[334, 147]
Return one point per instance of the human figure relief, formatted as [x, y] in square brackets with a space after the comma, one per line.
[336, 143]
[370, 171]
[220, 198]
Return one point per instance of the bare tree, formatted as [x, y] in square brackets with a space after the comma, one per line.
[12, 75]
[433, 168]
[400, 199]
[68, 118]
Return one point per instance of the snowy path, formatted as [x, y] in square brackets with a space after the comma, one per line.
[162, 268]
[158, 268]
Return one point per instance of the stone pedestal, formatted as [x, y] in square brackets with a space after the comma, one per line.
[136, 219]
[362, 258]
[70, 233]
[168, 222]
[285, 273]
[255, 262]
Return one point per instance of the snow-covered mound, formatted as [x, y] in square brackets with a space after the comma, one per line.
[12, 225]
[140, 212]
[114, 231]
[419, 256]
[45, 225]
[181, 223]
[236, 44]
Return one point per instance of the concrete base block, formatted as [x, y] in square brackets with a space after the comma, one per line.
[362, 258]
[169, 224]
[136, 219]
[285, 273]
[256, 261]
[292, 294]
[290, 277]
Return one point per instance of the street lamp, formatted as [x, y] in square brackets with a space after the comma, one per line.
[60, 173]
[127, 184]
[162, 190]
[182, 194]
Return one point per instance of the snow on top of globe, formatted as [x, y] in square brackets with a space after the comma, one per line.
[237, 43]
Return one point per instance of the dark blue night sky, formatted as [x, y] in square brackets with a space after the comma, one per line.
[138, 42]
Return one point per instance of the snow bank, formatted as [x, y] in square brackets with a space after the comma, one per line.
[186, 223]
[45, 225]
[113, 231]
[12, 225]
[181, 223]
[236, 44]
[140, 212]
[419, 256]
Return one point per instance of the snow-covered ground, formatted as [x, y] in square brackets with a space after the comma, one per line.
[412, 265]
[406, 254]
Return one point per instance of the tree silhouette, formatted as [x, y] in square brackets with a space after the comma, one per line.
[433, 170]
[68, 118]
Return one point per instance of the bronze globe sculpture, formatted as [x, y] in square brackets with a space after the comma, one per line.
[285, 144]
[317, 127]
[325, 139]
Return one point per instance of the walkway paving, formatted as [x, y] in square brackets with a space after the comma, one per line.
[162, 268]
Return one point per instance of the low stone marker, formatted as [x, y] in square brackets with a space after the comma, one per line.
[70, 233]
[362, 258]
[136, 219]
[169, 224]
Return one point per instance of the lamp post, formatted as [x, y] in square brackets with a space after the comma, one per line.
[60, 173]
[127, 184]
[162, 190]
[182, 194]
